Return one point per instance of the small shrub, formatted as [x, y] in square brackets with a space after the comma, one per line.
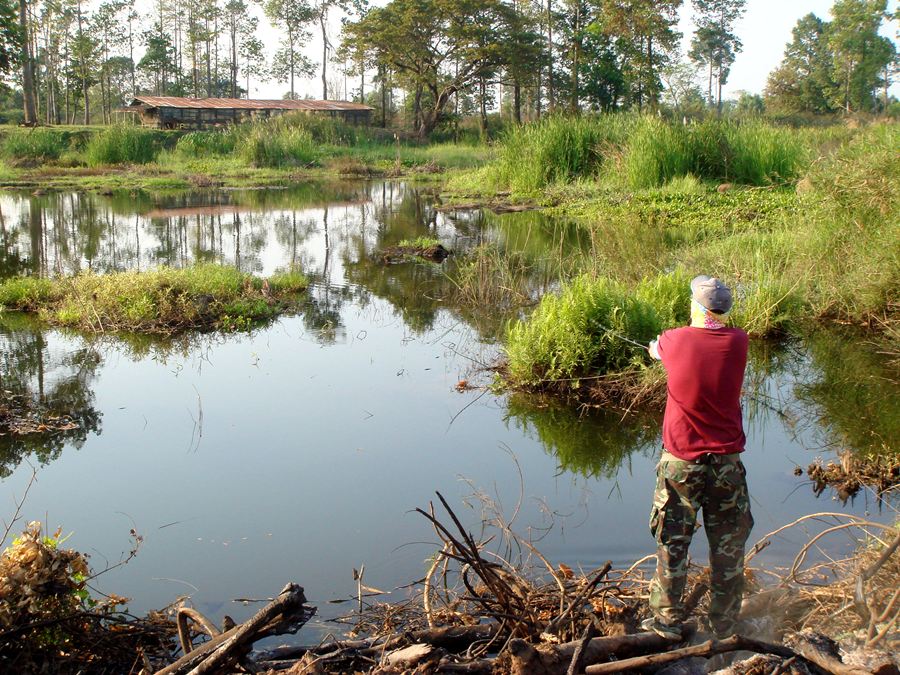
[121, 144]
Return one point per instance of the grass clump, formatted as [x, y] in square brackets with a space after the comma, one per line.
[850, 238]
[162, 301]
[419, 243]
[25, 293]
[570, 335]
[556, 149]
[198, 144]
[752, 153]
[273, 146]
[35, 144]
[121, 144]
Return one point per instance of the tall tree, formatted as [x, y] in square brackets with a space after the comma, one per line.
[859, 54]
[322, 10]
[715, 44]
[27, 60]
[435, 47]
[803, 81]
[644, 35]
[293, 16]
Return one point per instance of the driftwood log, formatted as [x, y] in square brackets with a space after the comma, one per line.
[526, 659]
[822, 651]
[708, 648]
[285, 614]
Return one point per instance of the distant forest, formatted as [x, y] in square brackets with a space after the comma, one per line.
[424, 63]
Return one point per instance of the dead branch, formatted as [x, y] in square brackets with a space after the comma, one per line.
[708, 648]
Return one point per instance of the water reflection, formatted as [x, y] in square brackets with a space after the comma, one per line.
[853, 395]
[53, 379]
[592, 445]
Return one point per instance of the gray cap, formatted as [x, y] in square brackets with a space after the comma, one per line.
[712, 294]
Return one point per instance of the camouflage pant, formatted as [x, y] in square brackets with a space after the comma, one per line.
[682, 489]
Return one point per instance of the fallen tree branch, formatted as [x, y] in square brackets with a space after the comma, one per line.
[708, 648]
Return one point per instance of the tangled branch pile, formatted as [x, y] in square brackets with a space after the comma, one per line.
[50, 623]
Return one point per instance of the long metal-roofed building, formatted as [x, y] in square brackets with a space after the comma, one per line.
[174, 112]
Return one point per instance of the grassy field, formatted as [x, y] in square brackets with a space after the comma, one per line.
[276, 153]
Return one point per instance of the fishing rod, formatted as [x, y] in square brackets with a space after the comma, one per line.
[620, 336]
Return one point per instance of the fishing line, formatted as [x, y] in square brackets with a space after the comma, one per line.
[620, 336]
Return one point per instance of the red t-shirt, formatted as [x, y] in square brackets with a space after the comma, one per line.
[703, 405]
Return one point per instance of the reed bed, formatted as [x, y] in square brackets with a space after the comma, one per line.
[121, 144]
[633, 152]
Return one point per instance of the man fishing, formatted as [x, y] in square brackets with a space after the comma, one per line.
[700, 468]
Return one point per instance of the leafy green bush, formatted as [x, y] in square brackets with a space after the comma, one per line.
[25, 292]
[121, 144]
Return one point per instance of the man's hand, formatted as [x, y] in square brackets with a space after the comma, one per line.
[654, 350]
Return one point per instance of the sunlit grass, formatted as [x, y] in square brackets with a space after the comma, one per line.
[164, 300]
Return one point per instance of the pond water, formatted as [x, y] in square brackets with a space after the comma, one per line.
[299, 451]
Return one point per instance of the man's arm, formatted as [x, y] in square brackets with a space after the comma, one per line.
[653, 348]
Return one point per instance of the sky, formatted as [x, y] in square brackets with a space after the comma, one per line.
[764, 31]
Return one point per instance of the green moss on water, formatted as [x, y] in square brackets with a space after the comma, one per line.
[163, 301]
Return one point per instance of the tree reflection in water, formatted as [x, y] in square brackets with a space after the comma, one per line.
[594, 445]
[54, 380]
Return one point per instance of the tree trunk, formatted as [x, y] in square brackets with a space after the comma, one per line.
[551, 103]
[322, 17]
[517, 102]
[576, 49]
[27, 68]
[482, 108]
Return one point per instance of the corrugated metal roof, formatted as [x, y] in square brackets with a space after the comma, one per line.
[245, 104]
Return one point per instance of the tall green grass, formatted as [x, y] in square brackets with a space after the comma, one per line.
[121, 144]
[556, 149]
[849, 238]
[576, 333]
[751, 153]
[643, 152]
[36, 144]
[263, 146]
[198, 144]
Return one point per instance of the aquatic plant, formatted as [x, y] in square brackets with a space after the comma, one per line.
[120, 144]
[164, 300]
